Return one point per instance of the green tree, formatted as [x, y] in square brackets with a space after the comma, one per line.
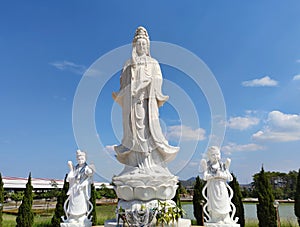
[283, 184]
[297, 199]
[1, 200]
[198, 201]
[51, 193]
[98, 194]
[292, 184]
[106, 192]
[176, 198]
[182, 189]
[266, 212]
[25, 216]
[59, 209]
[93, 201]
[237, 201]
[17, 196]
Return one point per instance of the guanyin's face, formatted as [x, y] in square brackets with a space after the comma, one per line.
[141, 47]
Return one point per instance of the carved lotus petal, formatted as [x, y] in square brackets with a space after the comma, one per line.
[166, 192]
[125, 192]
[144, 193]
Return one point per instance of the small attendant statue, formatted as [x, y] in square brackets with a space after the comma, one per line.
[78, 207]
[217, 174]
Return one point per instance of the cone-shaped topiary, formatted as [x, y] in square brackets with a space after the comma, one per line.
[297, 199]
[198, 200]
[266, 212]
[59, 209]
[25, 216]
[93, 201]
[237, 201]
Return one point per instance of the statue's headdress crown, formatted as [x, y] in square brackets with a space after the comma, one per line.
[140, 33]
[213, 149]
[80, 153]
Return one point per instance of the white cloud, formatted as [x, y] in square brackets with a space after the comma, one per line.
[298, 60]
[185, 133]
[280, 127]
[242, 123]
[233, 147]
[262, 82]
[296, 77]
[69, 66]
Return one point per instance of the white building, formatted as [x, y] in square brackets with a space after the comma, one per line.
[15, 183]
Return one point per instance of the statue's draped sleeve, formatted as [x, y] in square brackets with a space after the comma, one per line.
[157, 99]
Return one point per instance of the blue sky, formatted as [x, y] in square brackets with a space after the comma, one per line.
[252, 49]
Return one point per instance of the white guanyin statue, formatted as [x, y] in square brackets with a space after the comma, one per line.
[216, 191]
[78, 206]
[144, 150]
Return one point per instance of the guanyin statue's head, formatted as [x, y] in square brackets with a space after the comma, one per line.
[141, 42]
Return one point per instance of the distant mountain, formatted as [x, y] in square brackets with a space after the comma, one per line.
[189, 183]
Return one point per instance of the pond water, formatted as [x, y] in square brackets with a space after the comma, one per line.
[286, 211]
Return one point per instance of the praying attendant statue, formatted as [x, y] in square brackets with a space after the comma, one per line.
[144, 150]
[216, 190]
[78, 207]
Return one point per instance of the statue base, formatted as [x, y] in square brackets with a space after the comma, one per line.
[207, 224]
[76, 224]
[82, 222]
[133, 184]
[181, 223]
[144, 213]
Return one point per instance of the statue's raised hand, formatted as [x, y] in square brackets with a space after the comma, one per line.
[70, 164]
[203, 165]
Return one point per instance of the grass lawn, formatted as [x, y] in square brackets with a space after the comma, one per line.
[42, 218]
[104, 212]
[9, 220]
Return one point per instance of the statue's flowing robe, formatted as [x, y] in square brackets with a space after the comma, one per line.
[140, 96]
[218, 200]
[217, 192]
[78, 198]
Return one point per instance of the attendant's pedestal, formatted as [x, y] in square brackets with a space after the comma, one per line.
[76, 225]
[206, 224]
[82, 222]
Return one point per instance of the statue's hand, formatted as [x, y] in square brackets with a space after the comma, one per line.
[221, 174]
[227, 163]
[203, 165]
[70, 164]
